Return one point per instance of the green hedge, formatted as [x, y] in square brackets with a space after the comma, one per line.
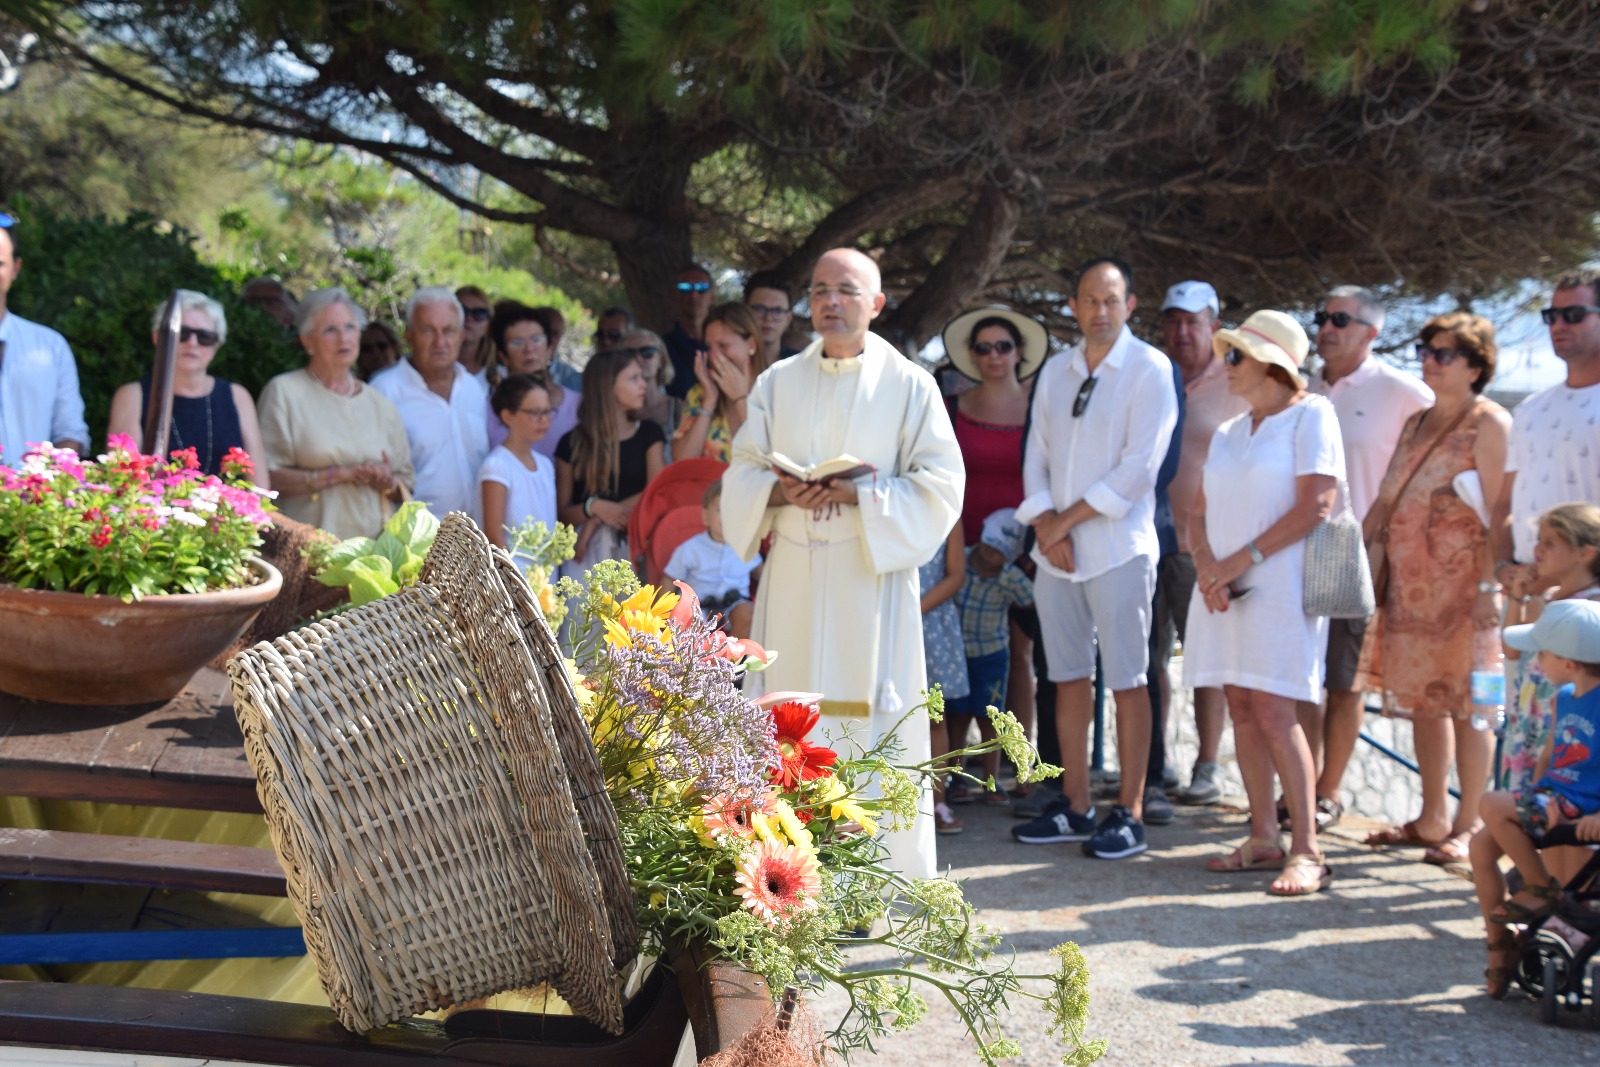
[99, 282]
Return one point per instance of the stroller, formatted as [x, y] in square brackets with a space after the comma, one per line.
[1558, 962]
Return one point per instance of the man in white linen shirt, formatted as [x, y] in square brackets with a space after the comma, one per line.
[839, 599]
[39, 398]
[1373, 402]
[1103, 415]
[443, 407]
[1554, 454]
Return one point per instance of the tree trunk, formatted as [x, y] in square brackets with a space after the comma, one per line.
[649, 265]
[973, 257]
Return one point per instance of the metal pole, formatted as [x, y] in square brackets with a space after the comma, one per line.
[158, 404]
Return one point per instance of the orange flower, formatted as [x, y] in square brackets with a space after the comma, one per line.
[776, 879]
[798, 760]
[722, 817]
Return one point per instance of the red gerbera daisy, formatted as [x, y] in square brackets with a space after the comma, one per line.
[798, 759]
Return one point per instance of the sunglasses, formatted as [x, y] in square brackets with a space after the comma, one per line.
[1572, 314]
[1004, 348]
[694, 287]
[1233, 357]
[1085, 391]
[643, 352]
[609, 336]
[538, 413]
[7, 221]
[1340, 319]
[477, 314]
[1442, 356]
[206, 338]
[376, 346]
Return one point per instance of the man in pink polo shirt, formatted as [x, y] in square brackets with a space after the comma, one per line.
[1373, 401]
[1189, 316]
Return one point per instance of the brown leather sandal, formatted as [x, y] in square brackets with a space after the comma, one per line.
[1510, 911]
[1499, 975]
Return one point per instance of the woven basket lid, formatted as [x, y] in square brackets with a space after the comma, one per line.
[407, 757]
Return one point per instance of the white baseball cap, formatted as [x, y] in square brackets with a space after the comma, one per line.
[1191, 297]
[1568, 628]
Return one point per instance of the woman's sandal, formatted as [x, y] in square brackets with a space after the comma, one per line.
[1498, 976]
[1406, 834]
[1235, 861]
[1450, 851]
[1299, 887]
[1510, 911]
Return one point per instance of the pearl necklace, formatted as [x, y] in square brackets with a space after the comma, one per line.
[347, 384]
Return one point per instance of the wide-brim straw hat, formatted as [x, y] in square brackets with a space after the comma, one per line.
[1271, 337]
[958, 331]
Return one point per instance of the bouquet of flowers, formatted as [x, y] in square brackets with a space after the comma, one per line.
[125, 524]
[744, 833]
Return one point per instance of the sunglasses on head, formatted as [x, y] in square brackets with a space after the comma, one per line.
[1004, 348]
[1081, 402]
[7, 221]
[1340, 319]
[205, 338]
[477, 314]
[694, 287]
[1572, 314]
[1442, 356]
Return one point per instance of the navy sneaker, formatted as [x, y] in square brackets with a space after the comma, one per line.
[1058, 823]
[1119, 836]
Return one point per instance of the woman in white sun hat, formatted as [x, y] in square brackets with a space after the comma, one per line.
[1272, 475]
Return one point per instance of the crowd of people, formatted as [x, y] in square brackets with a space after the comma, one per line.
[1047, 525]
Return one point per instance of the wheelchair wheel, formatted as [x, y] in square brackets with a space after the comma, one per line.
[1551, 983]
[1532, 974]
[1594, 992]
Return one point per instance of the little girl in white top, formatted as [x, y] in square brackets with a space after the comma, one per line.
[516, 482]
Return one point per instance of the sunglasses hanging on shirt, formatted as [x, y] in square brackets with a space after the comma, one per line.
[1085, 391]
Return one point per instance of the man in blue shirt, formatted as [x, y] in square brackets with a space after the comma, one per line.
[39, 398]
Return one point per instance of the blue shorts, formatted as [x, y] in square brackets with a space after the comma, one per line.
[987, 677]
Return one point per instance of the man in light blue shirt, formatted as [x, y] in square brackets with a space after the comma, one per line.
[39, 398]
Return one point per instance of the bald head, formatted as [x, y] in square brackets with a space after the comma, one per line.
[846, 295]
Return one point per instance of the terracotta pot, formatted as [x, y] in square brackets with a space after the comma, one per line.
[76, 649]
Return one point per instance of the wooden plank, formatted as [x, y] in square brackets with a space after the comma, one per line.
[58, 784]
[41, 908]
[251, 943]
[60, 856]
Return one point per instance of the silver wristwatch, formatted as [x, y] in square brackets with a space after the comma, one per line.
[1256, 555]
[1488, 587]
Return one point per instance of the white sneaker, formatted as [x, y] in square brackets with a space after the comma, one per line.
[1206, 785]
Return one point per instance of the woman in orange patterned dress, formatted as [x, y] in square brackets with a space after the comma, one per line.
[1439, 620]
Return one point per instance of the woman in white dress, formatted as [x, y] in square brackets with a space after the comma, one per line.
[517, 483]
[1273, 473]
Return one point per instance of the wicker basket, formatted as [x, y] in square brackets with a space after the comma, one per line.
[418, 765]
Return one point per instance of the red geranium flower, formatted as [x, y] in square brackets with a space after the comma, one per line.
[799, 760]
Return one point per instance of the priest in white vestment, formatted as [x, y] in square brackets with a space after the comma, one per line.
[838, 598]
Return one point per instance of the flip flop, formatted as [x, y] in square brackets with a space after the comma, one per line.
[1234, 861]
[1304, 889]
[1450, 850]
[1402, 835]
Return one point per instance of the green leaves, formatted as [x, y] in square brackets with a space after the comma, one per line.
[372, 568]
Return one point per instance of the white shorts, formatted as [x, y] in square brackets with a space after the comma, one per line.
[1114, 608]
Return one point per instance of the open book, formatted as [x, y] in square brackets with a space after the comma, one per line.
[846, 467]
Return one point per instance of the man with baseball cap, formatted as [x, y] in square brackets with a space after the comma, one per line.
[1189, 317]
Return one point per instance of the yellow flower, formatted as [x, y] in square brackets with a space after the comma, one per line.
[845, 805]
[645, 612]
[780, 826]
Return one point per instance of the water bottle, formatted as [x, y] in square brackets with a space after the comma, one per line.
[1489, 699]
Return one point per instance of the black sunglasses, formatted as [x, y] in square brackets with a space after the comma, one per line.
[1233, 357]
[1442, 356]
[1085, 391]
[610, 336]
[1572, 314]
[694, 287]
[643, 351]
[1004, 348]
[1340, 319]
[477, 314]
[207, 338]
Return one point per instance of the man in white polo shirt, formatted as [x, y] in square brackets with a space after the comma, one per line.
[1553, 456]
[39, 398]
[1373, 402]
[1102, 417]
[443, 406]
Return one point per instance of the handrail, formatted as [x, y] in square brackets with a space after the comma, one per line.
[158, 404]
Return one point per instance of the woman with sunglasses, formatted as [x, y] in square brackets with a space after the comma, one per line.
[715, 407]
[660, 406]
[521, 338]
[1439, 616]
[1001, 350]
[1271, 476]
[209, 414]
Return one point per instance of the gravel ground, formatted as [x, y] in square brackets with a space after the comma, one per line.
[1190, 967]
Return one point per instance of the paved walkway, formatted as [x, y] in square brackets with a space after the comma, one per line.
[1191, 967]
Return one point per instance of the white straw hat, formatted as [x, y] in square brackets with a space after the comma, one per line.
[958, 332]
[1271, 337]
